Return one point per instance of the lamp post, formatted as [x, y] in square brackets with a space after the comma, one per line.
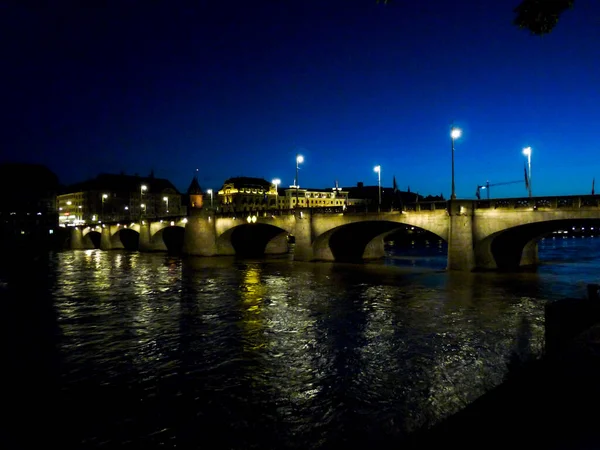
[454, 134]
[299, 160]
[378, 170]
[166, 200]
[143, 188]
[527, 152]
[276, 182]
[210, 191]
[104, 197]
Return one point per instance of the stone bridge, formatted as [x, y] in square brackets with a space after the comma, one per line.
[148, 233]
[490, 234]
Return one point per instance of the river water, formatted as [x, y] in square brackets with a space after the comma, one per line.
[106, 349]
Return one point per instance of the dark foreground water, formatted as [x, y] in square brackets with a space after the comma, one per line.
[115, 349]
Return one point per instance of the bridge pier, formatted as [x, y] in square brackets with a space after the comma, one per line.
[105, 241]
[374, 249]
[530, 257]
[79, 241]
[303, 234]
[200, 237]
[461, 254]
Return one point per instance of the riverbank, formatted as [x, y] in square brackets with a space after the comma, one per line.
[551, 403]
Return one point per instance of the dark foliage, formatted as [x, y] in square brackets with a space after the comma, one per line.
[537, 16]
[540, 16]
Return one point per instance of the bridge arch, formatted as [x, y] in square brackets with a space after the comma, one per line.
[516, 246]
[253, 240]
[169, 238]
[126, 238]
[358, 241]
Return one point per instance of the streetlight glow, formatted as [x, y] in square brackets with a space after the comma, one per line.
[166, 200]
[299, 160]
[276, 182]
[210, 191]
[378, 170]
[455, 133]
[527, 152]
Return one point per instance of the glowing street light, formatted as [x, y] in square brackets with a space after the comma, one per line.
[378, 170]
[143, 188]
[299, 160]
[276, 182]
[166, 200]
[210, 191]
[527, 152]
[455, 133]
[104, 197]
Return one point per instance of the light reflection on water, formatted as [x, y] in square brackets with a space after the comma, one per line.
[146, 349]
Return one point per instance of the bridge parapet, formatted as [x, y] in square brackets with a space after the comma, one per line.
[426, 206]
[560, 202]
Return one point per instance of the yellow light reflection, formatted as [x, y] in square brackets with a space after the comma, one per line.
[252, 294]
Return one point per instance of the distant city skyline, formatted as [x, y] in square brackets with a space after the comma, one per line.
[240, 89]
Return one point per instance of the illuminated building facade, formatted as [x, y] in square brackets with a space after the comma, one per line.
[313, 198]
[246, 194]
[241, 194]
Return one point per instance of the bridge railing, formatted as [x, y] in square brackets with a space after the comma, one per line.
[553, 202]
[426, 206]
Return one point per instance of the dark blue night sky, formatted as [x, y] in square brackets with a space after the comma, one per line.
[238, 87]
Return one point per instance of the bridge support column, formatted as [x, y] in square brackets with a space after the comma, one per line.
[461, 255]
[76, 239]
[278, 245]
[374, 249]
[530, 257]
[105, 239]
[303, 250]
[144, 242]
[200, 238]
[79, 241]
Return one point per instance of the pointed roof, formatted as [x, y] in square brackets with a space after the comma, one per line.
[195, 188]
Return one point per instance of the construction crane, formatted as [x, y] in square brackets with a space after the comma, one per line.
[487, 186]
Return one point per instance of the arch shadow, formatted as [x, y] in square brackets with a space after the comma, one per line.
[356, 242]
[256, 240]
[516, 247]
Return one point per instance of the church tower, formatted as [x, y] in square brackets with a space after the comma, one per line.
[195, 193]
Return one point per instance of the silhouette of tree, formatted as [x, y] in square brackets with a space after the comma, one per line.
[540, 16]
[537, 16]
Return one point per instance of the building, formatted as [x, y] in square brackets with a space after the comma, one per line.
[241, 194]
[247, 194]
[28, 206]
[313, 198]
[195, 196]
[109, 198]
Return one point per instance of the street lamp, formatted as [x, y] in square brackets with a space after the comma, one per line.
[210, 191]
[299, 160]
[143, 188]
[454, 134]
[104, 197]
[527, 152]
[378, 170]
[276, 182]
[166, 200]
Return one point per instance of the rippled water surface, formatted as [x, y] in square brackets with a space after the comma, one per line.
[106, 349]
